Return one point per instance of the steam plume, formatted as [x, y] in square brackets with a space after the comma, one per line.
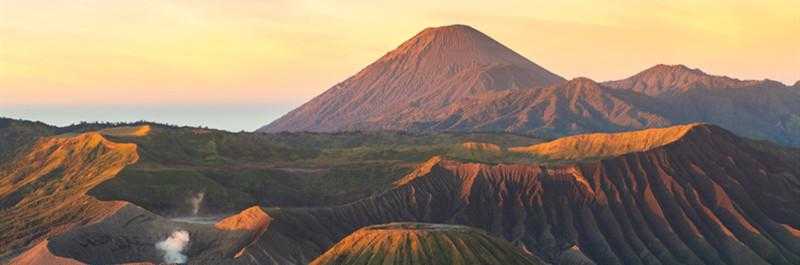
[173, 246]
[195, 201]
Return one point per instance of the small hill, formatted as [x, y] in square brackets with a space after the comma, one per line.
[600, 145]
[126, 131]
[421, 243]
[481, 147]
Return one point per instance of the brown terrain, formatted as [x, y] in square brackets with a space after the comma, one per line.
[705, 197]
[420, 243]
[663, 80]
[44, 192]
[690, 194]
[455, 78]
[423, 80]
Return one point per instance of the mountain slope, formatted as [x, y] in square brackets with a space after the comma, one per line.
[693, 194]
[413, 83]
[455, 78]
[15, 135]
[577, 106]
[761, 109]
[665, 80]
[707, 197]
[44, 192]
[419, 243]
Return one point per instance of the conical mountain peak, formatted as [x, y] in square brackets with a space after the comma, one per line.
[460, 46]
[425, 76]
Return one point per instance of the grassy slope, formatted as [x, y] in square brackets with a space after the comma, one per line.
[237, 170]
[15, 135]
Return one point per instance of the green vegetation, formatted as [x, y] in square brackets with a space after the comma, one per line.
[237, 170]
[15, 135]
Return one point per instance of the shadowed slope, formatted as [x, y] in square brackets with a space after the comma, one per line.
[762, 109]
[418, 243]
[16, 135]
[577, 106]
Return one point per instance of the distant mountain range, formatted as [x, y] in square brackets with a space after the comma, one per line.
[455, 78]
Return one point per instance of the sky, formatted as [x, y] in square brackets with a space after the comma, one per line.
[239, 64]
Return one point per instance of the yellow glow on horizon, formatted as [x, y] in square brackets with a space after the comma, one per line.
[96, 51]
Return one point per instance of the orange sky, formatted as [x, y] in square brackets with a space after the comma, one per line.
[287, 51]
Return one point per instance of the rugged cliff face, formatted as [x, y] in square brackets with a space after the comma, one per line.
[708, 197]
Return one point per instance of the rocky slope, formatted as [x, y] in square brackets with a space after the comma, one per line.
[707, 197]
[43, 193]
[420, 243]
[133, 235]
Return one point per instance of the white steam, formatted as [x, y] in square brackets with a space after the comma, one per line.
[195, 201]
[173, 246]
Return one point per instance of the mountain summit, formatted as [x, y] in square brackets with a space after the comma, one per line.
[674, 79]
[428, 73]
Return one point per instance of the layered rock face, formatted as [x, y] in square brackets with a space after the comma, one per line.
[421, 243]
[707, 197]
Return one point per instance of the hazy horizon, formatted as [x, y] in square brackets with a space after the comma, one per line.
[229, 117]
[90, 56]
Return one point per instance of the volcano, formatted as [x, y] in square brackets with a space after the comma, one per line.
[420, 243]
[455, 78]
[423, 80]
